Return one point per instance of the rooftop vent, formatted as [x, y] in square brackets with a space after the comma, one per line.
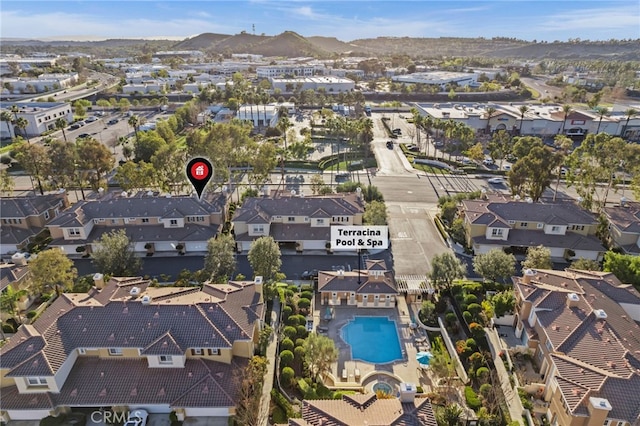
[134, 291]
[600, 314]
[527, 275]
[146, 299]
[258, 279]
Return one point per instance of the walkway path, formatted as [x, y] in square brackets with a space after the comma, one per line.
[271, 358]
[510, 394]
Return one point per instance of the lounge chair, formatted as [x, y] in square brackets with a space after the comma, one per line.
[357, 372]
[344, 374]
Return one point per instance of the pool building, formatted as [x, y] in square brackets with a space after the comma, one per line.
[372, 287]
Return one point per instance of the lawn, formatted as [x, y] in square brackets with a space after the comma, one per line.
[343, 165]
[430, 169]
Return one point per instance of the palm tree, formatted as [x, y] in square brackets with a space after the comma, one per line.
[22, 123]
[284, 124]
[564, 145]
[417, 121]
[9, 300]
[14, 110]
[8, 118]
[449, 415]
[566, 109]
[134, 121]
[523, 110]
[61, 123]
[629, 113]
[602, 112]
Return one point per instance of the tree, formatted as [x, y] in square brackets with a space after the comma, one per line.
[629, 113]
[375, 213]
[63, 157]
[585, 264]
[249, 393]
[602, 112]
[494, 264]
[147, 144]
[523, 110]
[132, 176]
[445, 268]
[35, 160]
[532, 173]
[115, 256]
[22, 124]
[94, 156]
[220, 261]
[168, 164]
[503, 302]
[9, 300]
[265, 258]
[566, 109]
[7, 118]
[624, 266]
[538, 258]
[427, 312]
[134, 122]
[317, 182]
[6, 181]
[476, 152]
[320, 353]
[52, 270]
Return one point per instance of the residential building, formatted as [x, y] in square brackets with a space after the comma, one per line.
[153, 223]
[297, 221]
[567, 230]
[583, 329]
[329, 83]
[41, 116]
[25, 217]
[624, 226]
[368, 409]
[370, 287]
[128, 345]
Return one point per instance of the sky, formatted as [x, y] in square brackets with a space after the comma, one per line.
[346, 20]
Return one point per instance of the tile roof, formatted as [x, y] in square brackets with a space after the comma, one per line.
[143, 207]
[627, 218]
[21, 207]
[356, 410]
[347, 281]
[15, 235]
[10, 274]
[105, 382]
[144, 233]
[527, 238]
[180, 317]
[558, 213]
[281, 205]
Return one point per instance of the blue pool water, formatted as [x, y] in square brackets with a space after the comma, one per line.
[372, 339]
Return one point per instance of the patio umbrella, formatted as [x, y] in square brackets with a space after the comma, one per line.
[424, 357]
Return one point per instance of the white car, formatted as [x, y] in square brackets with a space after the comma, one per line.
[91, 119]
[496, 181]
[506, 167]
[488, 162]
[137, 418]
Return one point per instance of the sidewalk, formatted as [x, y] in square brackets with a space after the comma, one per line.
[510, 394]
[271, 364]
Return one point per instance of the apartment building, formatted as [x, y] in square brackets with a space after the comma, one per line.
[583, 329]
[624, 226]
[154, 223]
[567, 230]
[128, 345]
[297, 221]
[25, 217]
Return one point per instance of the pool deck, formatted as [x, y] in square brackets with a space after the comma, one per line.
[405, 370]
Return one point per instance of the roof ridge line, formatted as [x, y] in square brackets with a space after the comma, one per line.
[204, 315]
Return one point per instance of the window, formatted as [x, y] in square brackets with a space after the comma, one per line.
[115, 351]
[196, 351]
[173, 222]
[539, 226]
[214, 351]
[524, 224]
[320, 221]
[555, 228]
[549, 345]
[82, 351]
[46, 215]
[145, 220]
[291, 219]
[200, 219]
[496, 232]
[165, 359]
[37, 381]
[512, 222]
[258, 228]
[114, 221]
[577, 227]
[74, 231]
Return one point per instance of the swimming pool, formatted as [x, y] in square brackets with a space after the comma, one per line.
[372, 339]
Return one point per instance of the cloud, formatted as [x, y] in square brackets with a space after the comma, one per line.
[593, 19]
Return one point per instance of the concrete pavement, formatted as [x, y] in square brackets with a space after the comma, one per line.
[271, 365]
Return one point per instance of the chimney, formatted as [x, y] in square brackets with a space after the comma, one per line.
[98, 280]
[600, 314]
[572, 300]
[598, 411]
[527, 274]
[407, 392]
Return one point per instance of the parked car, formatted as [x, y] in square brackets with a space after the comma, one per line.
[137, 418]
[74, 126]
[488, 162]
[413, 148]
[112, 121]
[397, 131]
[83, 136]
[91, 119]
[81, 123]
[390, 144]
[309, 275]
[496, 181]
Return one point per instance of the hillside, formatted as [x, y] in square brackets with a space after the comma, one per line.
[288, 44]
[201, 41]
[330, 44]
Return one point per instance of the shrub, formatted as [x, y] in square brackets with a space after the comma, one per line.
[299, 342]
[419, 389]
[470, 298]
[278, 416]
[485, 390]
[31, 314]
[482, 373]
[474, 308]
[304, 303]
[293, 321]
[471, 344]
[450, 318]
[290, 332]
[306, 295]
[472, 398]
[281, 402]
[52, 421]
[286, 345]
[299, 352]
[441, 305]
[287, 375]
[301, 331]
[286, 312]
[286, 358]
[467, 316]
[8, 328]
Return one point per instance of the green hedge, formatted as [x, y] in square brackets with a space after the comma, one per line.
[472, 398]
